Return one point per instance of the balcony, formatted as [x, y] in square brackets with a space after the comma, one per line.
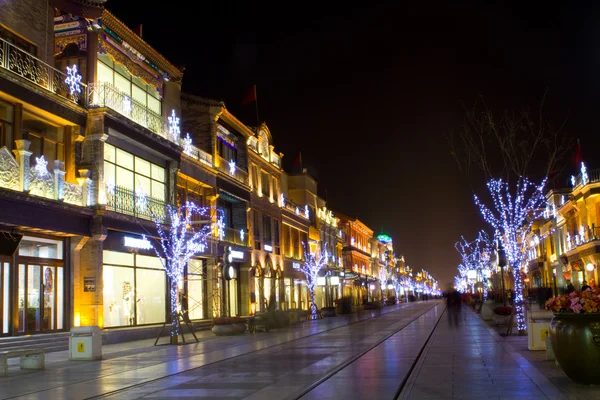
[103, 94]
[39, 181]
[233, 236]
[231, 169]
[582, 237]
[32, 69]
[126, 201]
[271, 158]
[593, 176]
[198, 154]
[295, 208]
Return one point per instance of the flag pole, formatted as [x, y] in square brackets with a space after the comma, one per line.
[256, 103]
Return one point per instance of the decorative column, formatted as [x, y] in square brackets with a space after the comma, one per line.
[23, 154]
[59, 179]
[85, 182]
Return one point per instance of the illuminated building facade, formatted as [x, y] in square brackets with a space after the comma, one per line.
[266, 276]
[359, 277]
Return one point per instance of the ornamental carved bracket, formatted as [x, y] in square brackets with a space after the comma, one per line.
[61, 43]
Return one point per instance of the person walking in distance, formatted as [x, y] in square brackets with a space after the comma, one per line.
[454, 305]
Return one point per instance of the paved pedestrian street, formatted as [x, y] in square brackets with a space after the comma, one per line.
[407, 351]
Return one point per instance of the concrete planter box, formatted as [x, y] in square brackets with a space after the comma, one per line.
[487, 310]
[227, 330]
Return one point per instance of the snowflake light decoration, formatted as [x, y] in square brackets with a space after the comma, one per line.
[232, 167]
[221, 229]
[242, 235]
[73, 80]
[306, 214]
[187, 145]
[281, 200]
[141, 200]
[573, 181]
[126, 105]
[41, 166]
[584, 175]
[174, 126]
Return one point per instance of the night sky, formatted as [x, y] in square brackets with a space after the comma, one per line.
[368, 93]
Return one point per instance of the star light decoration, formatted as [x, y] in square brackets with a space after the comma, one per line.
[73, 80]
[178, 245]
[174, 126]
[41, 166]
[232, 167]
[313, 263]
[187, 145]
[512, 217]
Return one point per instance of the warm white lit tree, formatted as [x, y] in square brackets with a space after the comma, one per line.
[313, 263]
[181, 239]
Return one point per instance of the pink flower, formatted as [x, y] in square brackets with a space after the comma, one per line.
[576, 308]
[574, 301]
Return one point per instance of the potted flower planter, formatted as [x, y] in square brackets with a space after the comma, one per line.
[575, 335]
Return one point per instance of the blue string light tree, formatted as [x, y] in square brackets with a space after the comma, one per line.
[313, 263]
[475, 256]
[512, 218]
[517, 152]
[182, 240]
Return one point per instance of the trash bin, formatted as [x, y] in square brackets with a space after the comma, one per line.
[538, 327]
[85, 343]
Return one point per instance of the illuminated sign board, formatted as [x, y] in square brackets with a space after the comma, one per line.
[136, 243]
[268, 247]
[384, 238]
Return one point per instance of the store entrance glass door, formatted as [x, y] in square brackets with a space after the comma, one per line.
[40, 298]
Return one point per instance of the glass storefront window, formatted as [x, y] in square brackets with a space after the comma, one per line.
[118, 295]
[41, 248]
[150, 296]
[134, 289]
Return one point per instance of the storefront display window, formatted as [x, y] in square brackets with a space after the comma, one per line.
[134, 291]
[195, 287]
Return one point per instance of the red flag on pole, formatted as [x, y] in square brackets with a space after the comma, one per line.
[578, 154]
[250, 96]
